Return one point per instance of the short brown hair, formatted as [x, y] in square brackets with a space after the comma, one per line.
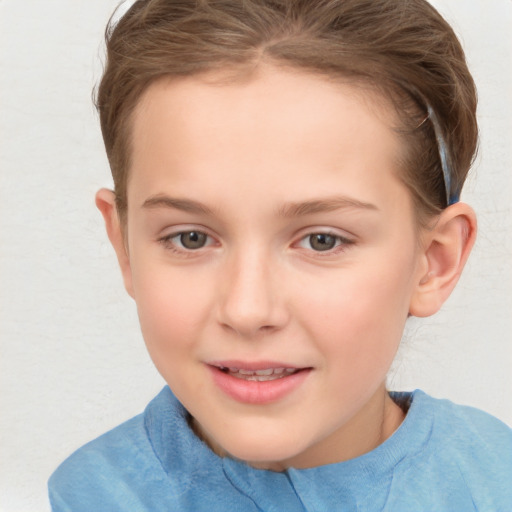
[403, 48]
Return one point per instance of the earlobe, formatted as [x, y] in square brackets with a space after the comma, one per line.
[446, 249]
[106, 204]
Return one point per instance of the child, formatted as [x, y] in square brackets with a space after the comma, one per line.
[287, 175]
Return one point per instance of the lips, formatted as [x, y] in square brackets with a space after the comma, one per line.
[257, 383]
[259, 375]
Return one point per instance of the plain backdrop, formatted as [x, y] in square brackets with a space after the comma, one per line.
[73, 363]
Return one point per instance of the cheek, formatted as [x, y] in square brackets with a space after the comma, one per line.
[358, 315]
[173, 308]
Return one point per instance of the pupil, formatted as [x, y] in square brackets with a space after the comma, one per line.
[322, 242]
[193, 240]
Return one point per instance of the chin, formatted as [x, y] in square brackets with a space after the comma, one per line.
[264, 453]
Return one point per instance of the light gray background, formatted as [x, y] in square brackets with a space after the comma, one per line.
[73, 362]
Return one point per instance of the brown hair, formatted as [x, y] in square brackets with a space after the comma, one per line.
[403, 48]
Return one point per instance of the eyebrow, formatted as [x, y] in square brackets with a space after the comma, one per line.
[297, 209]
[328, 204]
[185, 205]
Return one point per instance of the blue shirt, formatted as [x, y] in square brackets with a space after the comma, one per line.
[443, 457]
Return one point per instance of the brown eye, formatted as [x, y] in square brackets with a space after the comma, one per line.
[193, 239]
[322, 241]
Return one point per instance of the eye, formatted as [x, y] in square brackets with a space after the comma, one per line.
[323, 242]
[192, 239]
[188, 240]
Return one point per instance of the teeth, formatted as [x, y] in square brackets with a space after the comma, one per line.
[261, 378]
[260, 375]
[269, 371]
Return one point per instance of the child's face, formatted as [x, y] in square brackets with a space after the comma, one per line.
[266, 230]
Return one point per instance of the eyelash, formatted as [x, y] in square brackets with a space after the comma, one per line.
[341, 242]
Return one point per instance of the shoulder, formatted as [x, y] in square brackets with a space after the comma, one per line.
[152, 463]
[465, 461]
[463, 426]
[112, 447]
[109, 472]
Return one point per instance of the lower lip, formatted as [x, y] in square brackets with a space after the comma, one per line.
[258, 392]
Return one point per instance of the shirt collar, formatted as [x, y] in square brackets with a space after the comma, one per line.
[190, 462]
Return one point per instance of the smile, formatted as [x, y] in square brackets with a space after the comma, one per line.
[257, 384]
[259, 375]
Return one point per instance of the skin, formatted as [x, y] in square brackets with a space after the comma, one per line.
[258, 166]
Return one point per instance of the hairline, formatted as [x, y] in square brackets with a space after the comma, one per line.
[367, 90]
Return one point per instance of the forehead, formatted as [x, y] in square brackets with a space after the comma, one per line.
[283, 92]
[304, 129]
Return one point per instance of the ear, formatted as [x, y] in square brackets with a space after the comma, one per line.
[446, 248]
[106, 203]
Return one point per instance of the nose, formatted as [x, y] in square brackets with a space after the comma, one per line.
[252, 298]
